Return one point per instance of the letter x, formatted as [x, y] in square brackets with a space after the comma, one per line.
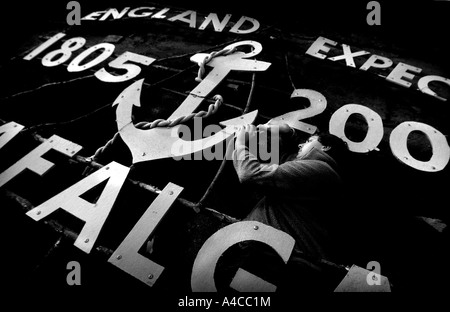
[348, 55]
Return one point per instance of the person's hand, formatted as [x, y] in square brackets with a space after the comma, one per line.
[246, 133]
[284, 128]
[280, 128]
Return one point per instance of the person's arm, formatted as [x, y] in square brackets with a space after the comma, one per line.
[304, 173]
[247, 166]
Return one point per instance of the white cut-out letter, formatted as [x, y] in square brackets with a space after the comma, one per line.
[35, 162]
[319, 45]
[372, 62]
[133, 13]
[401, 71]
[93, 214]
[424, 81]
[126, 256]
[218, 25]
[202, 279]
[9, 131]
[236, 28]
[192, 20]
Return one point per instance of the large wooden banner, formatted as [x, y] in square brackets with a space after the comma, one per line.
[118, 123]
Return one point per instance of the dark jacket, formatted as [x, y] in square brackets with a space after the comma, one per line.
[302, 197]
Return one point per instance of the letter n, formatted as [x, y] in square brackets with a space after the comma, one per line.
[93, 214]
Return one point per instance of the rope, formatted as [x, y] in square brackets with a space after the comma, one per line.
[102, 149]
[212, 108]
[229, 150]
[288, 71]
[208, 58]
[144, 125]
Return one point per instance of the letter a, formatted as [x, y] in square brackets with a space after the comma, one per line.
[74, 276]
[74, 17]
[93, 214]
[374, 17]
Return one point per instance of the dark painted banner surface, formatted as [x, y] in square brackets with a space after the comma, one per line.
[383, 88]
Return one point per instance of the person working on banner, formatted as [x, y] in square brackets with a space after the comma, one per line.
[302, 195]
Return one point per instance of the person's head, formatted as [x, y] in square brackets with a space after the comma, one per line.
[328, 143]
